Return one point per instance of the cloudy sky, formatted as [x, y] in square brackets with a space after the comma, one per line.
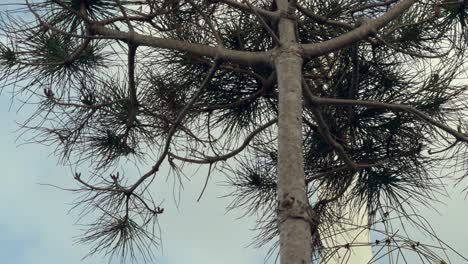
[35, 227]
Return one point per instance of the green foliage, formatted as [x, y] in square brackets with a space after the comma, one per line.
[7, 56]
[54, 52]
[64, 15]
[103, 105]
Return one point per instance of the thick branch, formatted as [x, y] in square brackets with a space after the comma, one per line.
[360, 33]
[240, 57]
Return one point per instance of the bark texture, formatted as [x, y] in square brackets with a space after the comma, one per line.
[292, 200]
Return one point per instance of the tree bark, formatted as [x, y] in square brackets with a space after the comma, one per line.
[294, 228]
[370, 27]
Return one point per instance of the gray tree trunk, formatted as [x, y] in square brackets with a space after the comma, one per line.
[293, 223]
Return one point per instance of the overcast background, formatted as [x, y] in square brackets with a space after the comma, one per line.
[35, 227]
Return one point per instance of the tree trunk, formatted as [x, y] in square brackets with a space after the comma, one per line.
[294, 228]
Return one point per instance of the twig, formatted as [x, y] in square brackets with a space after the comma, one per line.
[212, 159]
[176, 123]
[209, 22]
[206, 183]
[325, 131]
[396, 107]
[264, 24]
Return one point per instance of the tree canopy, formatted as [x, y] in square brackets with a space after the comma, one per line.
[160, 82]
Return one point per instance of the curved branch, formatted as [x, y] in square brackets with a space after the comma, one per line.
[117, 188]
[360, 33]
[325, 131]
[212, 159]
[240, 102]
[396, 107]
[176, 123]
[326, 134]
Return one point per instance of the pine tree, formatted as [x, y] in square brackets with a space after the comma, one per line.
[314, 110]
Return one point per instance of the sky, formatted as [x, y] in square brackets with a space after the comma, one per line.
[35, 226]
